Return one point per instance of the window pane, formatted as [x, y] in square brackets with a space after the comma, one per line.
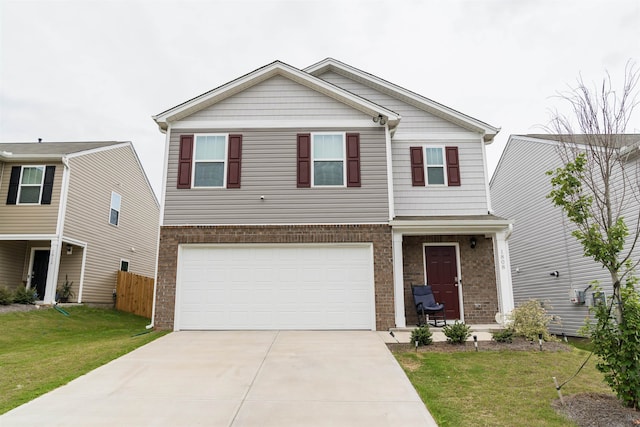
[435, 175]
[434, 156]
[30, 194]
[327, 173]
[113, 217]
[328, 147]
[32, 175]
[209, 174]
[124, 265]
[115, 201]
[210, 147]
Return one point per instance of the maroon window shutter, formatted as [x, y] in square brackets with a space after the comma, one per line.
[234, 157]
[304, 160]
[353, 160]
[453, 166]
[185, 161]
[417, 167]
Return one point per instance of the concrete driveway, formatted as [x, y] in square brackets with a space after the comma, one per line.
[248, 378]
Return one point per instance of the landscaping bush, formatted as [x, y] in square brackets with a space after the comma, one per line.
[457, 333]
[421, 335]
[618, 345]
[530, 319]
[505, 335]
[24, 296]
[6, 297]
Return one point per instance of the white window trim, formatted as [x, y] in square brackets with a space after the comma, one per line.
[128, 264]
[44, 171]
[444, 166]
[343, 160]
[119, 210]
[225, 161]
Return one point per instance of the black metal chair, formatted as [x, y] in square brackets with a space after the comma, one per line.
[426, 305]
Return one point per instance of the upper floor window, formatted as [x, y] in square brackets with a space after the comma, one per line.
[435, 166]
[442, 166]
[124, 265]
[328, 159]
[31, 185]
[114, 213]
[209, 160]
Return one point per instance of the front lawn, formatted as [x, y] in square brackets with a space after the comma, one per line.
[42, 349]
[498, 388]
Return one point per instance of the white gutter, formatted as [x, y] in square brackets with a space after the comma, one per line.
[392, 210]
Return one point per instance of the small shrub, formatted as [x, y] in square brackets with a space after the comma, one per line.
[6, 296]
[457, 333]
[505, 335]
[421, 335]
[24, 296]
[530, 319]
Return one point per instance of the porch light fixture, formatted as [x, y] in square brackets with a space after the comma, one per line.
[69, 249]
[473, 242]
[555, 273]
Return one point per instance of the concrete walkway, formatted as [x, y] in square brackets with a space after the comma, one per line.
[266, 378]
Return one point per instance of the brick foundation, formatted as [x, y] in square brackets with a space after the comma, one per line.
[480, 294]
[379, 235]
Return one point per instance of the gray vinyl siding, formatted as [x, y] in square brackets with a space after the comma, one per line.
[93, 177]
[414, 120]
[12, 255]
[470, 198]
[29, 219]
[269, 164]
[541, 241]
[275, 99]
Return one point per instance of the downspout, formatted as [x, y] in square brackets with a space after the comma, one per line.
[163, 190]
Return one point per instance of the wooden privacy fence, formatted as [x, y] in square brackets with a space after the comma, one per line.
[134, 294]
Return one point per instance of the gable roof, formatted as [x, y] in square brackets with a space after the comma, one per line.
[49, 150]
[412, 98]
[276, 68]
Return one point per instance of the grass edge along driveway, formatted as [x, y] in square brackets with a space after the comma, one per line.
[41, 350]
[498, 388]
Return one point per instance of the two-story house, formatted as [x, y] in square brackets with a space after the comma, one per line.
[76, 211]
[548, 263]
[315, 198]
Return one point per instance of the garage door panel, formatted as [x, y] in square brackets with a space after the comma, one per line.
[275, 287]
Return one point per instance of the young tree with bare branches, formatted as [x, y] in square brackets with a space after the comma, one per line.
[595, 188]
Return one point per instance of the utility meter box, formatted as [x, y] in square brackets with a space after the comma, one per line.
[576, 296]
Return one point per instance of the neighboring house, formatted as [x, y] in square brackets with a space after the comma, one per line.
[548, 263]
[77, 211]
[315, 198]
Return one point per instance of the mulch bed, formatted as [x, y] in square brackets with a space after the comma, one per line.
[518, 344]
[18, 307]
[586, 409]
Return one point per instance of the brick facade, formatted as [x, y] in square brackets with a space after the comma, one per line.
[480, 294]
[378, 235]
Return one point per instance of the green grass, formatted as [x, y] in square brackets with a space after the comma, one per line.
[41, 350]
[504, 388]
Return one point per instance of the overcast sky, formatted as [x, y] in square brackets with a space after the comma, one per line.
[98, 70]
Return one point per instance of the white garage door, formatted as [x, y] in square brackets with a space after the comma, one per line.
[275, 287]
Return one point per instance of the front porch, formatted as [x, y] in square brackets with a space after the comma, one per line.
[464, 260]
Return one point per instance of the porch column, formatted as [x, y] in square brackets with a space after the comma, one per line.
[503, 271]
[52, 272]
[398, 281]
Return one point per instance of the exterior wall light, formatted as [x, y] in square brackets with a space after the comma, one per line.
[473, 242]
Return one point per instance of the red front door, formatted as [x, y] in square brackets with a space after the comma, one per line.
[442, 275]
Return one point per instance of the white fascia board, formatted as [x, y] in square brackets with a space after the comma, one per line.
[449, 226]
[28, 236]
[74, 242]
[98, 150]
[30, 157]
[488, 132]
[276, 68]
